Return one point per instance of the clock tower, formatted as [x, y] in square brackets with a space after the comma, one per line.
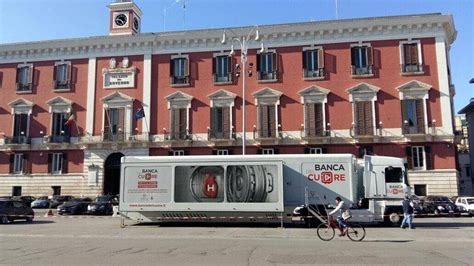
[125, 18]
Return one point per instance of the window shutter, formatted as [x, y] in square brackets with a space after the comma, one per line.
[263, 121]
[18, 75]
[229, 64]
[106, 124]
[369, 128]
[30, 75]
[320, 58]
[55, 73]
[186, 67]
[274, 62]
[420, 116]
[370, 56]
[174, 123]
[64, 169]
[214, 65]
[272, 122]
[406, 54]
[26, 164]
[359, 117]
[12, 162]
[226, 122]
[305, 54]
[69, 73]
[429, 158]
[50, 163]
[319, 128]
[182, 121]
[353, 55]
[408, 151]
[121, 123]
[414, 53]
[258, 62]
[310, 116]
[172, 67]
[405, 127]
[213, 121]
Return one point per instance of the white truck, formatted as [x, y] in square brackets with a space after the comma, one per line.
[260, 188]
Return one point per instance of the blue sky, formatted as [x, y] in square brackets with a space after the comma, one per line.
[31, 20]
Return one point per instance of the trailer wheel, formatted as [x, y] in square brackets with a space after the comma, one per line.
[392, 218]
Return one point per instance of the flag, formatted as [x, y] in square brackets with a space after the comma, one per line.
[140, 113]
[70, 120]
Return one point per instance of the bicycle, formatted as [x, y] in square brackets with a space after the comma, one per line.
[326, 232]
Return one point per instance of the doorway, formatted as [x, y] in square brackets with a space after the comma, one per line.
[112, 174]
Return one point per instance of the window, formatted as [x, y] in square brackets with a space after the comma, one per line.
[55, 163]
[363, 118]
[114, 124]
[418, 157]
[222, 152]
[60, 132]
[220, 122]
[56, 190]
[413, 116]
[267, 121]
[179, 128]
[314, 120]
[179, 71]
[20, 128]
[365, 150]
[62, 76]
[315, 151]
[362, 60]
[24, 78]
[267, 66]
[268, 151]
[420, 190]
[178, 153]
[393, 175]
[16, 191]
[313, 63]
[411, 58]
[17, 163]
[222, 68]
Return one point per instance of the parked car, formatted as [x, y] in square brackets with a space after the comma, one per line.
[25, 199]
[417, 202]
[41, 202]
[103, 205]
[58, 200]
[439, 205]
[11, 210]
[75, 206]
[465, 205]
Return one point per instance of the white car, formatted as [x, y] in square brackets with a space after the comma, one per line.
[465, 205]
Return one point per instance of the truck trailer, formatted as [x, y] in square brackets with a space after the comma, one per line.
[260, 188]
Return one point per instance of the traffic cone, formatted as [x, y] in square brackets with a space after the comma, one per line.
[49, 213]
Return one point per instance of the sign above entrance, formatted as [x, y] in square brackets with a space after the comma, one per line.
[119, 77]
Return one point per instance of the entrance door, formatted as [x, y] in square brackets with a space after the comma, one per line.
[112, 174]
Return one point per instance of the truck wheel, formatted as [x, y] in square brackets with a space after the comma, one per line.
[4, 219]
[392, 219]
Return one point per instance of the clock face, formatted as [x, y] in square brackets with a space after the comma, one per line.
[121, 20]
[136, 24]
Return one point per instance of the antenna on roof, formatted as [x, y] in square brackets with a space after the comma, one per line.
[337, 13]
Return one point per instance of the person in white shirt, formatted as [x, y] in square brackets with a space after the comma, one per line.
[341, 208]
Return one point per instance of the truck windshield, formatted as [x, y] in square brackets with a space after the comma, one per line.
[393, 175]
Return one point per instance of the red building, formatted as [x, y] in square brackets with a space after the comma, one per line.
[71, 108]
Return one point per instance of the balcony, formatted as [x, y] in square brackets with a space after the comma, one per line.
[57, 139]
[316, 74]
[224, 138]
[61, 85]
[412, 69]
[178, 81]
[267, 76]
[218, 80]
[315, 138]
[361, 72]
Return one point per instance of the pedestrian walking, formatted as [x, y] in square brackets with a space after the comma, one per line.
[407, 213]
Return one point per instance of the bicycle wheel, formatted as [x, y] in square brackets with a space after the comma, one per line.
[325, 232]
[355, 232]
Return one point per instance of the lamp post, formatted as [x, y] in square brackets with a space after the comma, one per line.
[244, 42]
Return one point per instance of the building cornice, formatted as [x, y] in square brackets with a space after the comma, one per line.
[282, 35]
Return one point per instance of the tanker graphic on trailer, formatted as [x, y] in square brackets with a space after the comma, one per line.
[232, 183]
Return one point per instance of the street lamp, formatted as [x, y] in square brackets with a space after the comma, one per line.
[243, 41]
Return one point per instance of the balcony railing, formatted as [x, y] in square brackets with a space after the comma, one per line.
[223, 135]
[59, 139]
[179, 135]
[20, 87]
[110, 136]
[178, 80]
[267, 76]
[17, 140]
[362, 71]
[61, 85]
[411, 68]
[407, 129]
[315, 73]
[357, 131]
[222, 79]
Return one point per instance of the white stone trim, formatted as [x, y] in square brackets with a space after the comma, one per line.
[91, 76]
[443, 81]
[119, 100]
[59, 105]
[361, 44]
[146, 90]
[179, 55]
[312, 47]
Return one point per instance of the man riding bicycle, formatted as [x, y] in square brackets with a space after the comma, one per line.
[344, 215]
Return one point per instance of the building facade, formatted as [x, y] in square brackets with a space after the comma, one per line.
[466, 154]
[71, 108]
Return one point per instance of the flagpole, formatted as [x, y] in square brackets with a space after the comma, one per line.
[146, 124]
